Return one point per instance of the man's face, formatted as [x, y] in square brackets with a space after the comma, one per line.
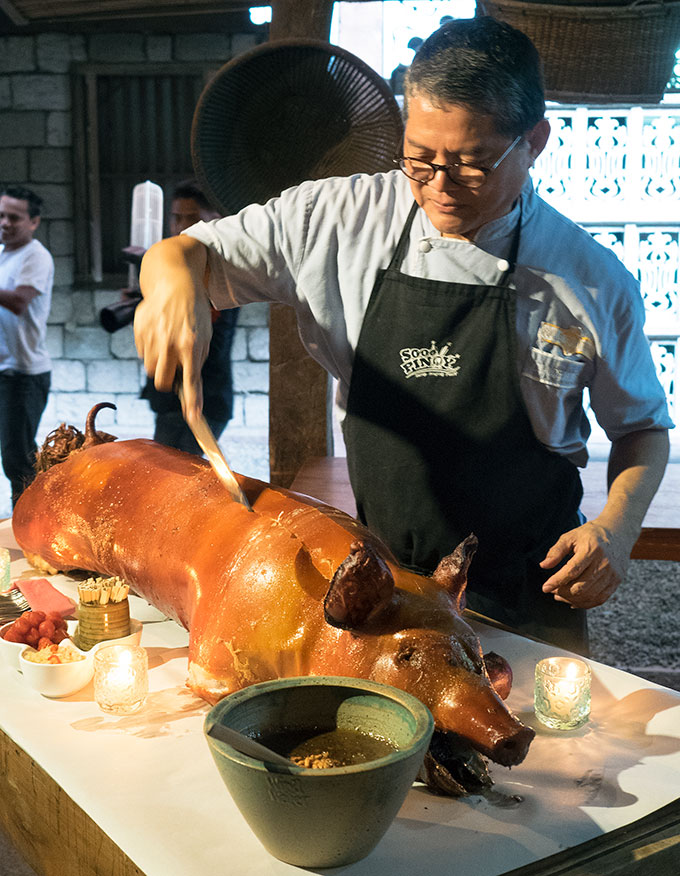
[452, 134]
[186, 212]
[16, 226]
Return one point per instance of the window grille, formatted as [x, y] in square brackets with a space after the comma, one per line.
[133, 124]
[666, 353]
[616, 171]
[674, 83]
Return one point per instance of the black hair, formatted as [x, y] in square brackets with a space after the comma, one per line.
[19, 193]
[189, 188]
[483, 64]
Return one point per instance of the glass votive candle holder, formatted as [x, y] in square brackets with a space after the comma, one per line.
[4, 569]
[121, 678]
[562, 693]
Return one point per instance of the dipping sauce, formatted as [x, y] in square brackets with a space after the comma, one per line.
[333, 748]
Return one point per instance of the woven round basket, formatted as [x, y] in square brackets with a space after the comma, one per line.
[286, 112]
[598, 53]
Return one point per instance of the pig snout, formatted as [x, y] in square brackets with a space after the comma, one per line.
[478, 715]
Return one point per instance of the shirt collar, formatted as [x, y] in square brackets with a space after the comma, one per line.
[498, 228]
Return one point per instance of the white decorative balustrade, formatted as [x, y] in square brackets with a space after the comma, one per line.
[602, 164]
[616, 171]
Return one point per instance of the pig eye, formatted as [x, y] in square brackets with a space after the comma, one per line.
[468, 661]
[405, 654]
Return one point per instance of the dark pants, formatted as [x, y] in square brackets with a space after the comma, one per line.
[22, 400]
[172, 430]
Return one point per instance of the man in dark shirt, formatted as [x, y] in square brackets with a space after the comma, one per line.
[189, 205]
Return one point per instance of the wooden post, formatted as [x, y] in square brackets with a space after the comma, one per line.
[301, 18]
[300, 408]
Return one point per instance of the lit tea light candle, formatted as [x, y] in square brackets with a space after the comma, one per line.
[562, 693]
[121, 678]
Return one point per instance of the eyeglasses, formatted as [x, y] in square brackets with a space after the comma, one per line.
[468, 175]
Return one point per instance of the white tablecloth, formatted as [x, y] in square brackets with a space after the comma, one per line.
[148, 780]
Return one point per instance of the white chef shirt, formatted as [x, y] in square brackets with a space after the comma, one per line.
[23, 344]
[580, 316]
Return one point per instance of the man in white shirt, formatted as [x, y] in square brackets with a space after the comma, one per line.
[463, 318]
[26, 278]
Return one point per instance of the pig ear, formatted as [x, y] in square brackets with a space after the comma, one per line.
[361, 587]
[451, 573]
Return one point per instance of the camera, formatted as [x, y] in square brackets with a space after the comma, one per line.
[121, 313]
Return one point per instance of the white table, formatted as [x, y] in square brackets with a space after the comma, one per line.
[149, 784]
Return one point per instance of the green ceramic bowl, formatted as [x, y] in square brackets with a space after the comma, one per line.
[321, 817]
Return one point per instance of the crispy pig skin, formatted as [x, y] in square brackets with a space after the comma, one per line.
[250, 586]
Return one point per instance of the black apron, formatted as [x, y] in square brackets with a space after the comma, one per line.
[439, 444]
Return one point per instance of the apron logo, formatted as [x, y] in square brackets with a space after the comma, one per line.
[429, 362]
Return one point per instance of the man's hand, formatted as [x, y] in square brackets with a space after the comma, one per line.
[598, 564]
[172, 323]
[600, 549]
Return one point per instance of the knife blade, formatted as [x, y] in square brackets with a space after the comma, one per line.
[206, 441]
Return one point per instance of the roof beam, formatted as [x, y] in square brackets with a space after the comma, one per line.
[12, 13]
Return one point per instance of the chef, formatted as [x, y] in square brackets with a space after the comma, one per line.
[464, 319]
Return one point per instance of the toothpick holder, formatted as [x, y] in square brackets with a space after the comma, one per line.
[97, 623]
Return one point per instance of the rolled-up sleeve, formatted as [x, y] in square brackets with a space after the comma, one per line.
[625, 392]
[255, 254]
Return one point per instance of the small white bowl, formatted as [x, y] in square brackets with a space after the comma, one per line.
[9, 651]
[56, 679]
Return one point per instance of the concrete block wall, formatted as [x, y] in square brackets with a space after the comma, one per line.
[90, 365]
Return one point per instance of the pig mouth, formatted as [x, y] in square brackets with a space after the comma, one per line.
[509, 750]
[454, 767]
